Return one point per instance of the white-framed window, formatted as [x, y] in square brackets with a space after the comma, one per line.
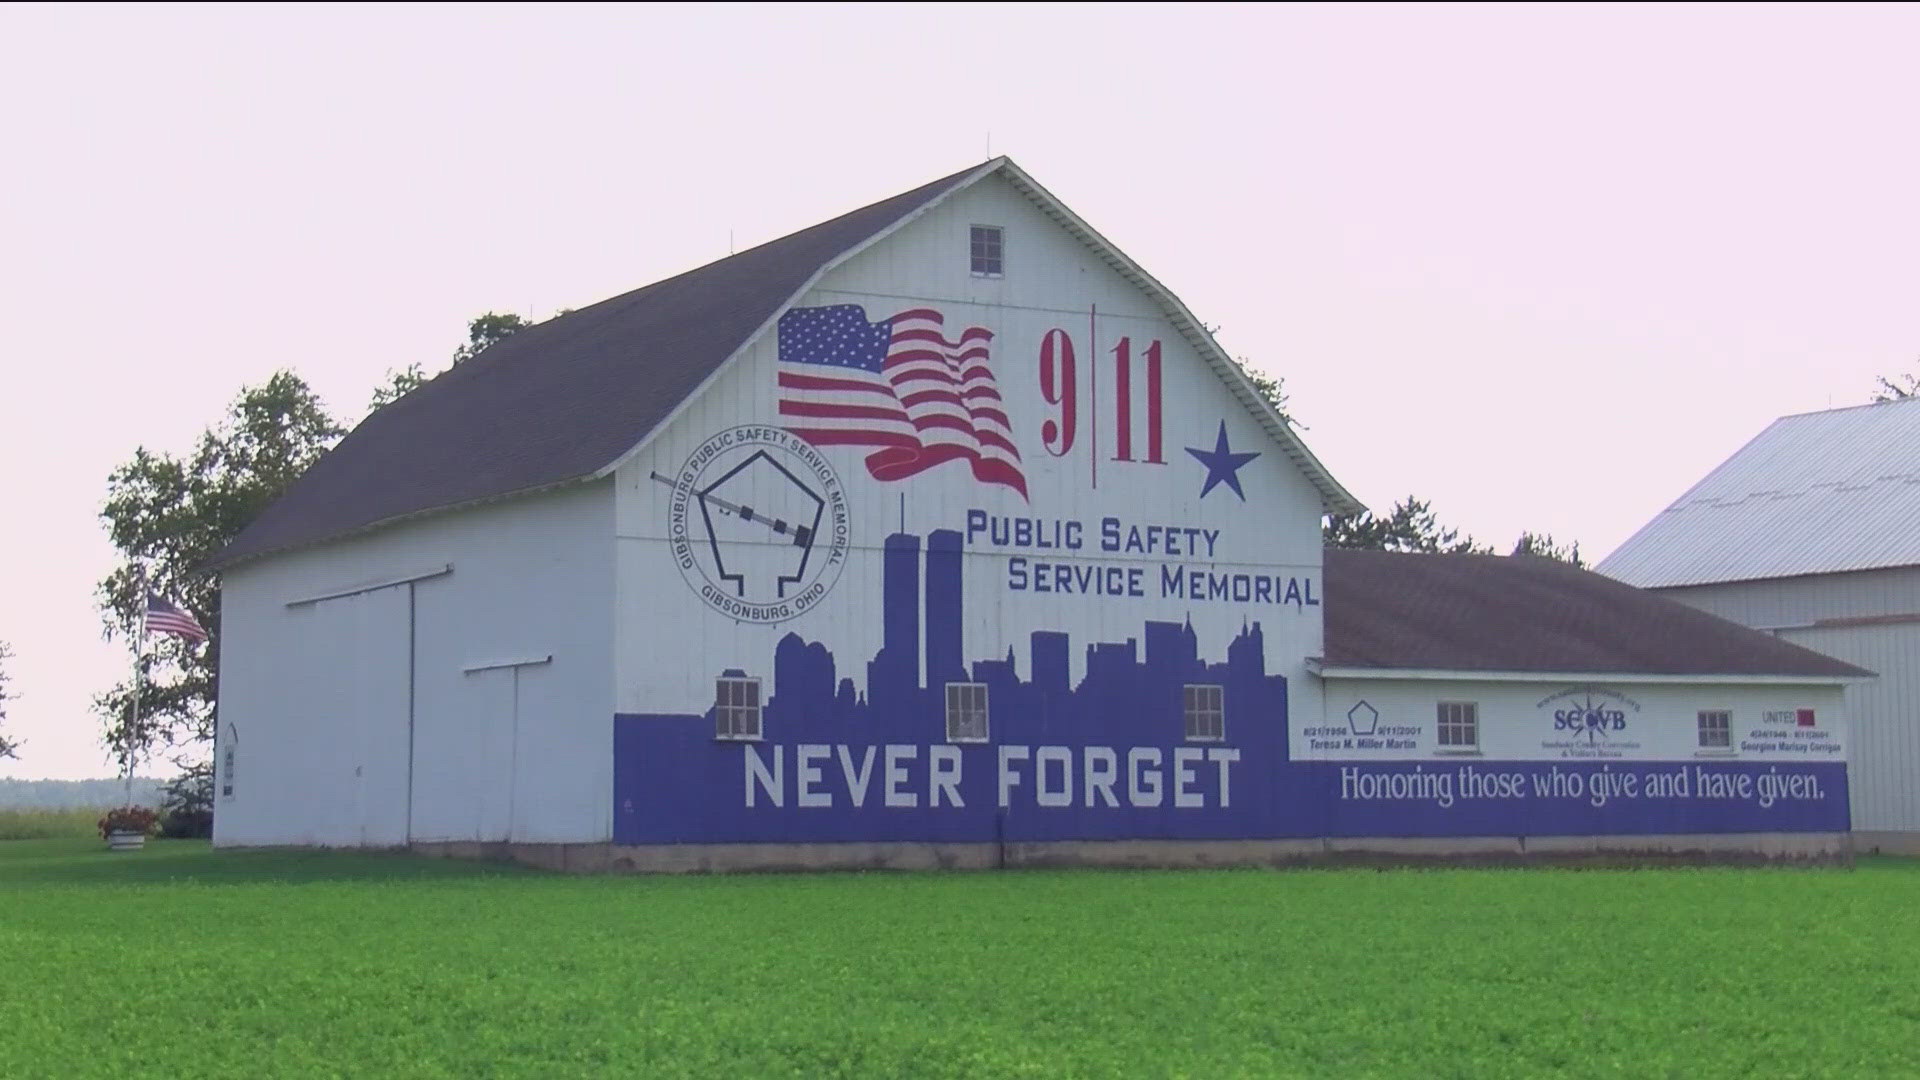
[226, 772]
[987, 246]
[966, 712]
[1458, 723]
[736, 708]
[1205, 709]
[1715, 727]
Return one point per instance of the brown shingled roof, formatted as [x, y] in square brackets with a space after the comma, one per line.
[1396, 610]
[561, 400]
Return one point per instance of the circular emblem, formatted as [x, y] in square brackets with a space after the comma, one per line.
[757, 522]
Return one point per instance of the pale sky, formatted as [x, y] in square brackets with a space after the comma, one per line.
[1542, 266]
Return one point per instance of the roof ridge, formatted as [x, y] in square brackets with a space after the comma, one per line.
[1910, 399]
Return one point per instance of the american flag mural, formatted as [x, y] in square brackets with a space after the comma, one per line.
[899, 385]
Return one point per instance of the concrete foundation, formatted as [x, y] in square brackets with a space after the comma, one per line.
[1792, 848]
[1886, 843]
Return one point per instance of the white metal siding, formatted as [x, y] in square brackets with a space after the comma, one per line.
[316, 695]
[1798, 601]
[320, 746]
[1884, 764]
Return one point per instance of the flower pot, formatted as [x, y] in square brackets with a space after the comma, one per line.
[126, 841]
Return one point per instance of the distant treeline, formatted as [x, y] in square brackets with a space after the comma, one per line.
[71, 794]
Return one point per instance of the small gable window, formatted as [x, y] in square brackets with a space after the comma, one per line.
[988, 250]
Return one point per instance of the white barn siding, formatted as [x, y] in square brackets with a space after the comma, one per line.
[1885, 759]
[1796, 601]
[315, 697]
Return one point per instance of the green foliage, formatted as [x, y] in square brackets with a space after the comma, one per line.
[313, 964]
[1410, 526]
[186, 809]
[1271, 387]
[488, 330]
[1543, 545]
[399, 384]
[9, 748]
[167, 517]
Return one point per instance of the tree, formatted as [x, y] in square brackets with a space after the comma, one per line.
[399, 384]
[1410, 526]
[486, 331]
[1908, 386]
[9, 748]
[186, 803]
[167, 517]
[1271, 387]
[483, 332]
[1542, 545]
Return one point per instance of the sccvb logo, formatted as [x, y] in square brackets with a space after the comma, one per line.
[1591, 720]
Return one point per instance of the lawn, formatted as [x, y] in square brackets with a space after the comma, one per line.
[183, 961]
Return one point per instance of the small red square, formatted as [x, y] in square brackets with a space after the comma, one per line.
[1805, 717]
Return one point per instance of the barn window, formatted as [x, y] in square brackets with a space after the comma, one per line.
[988, 251]
[736, 709]
[966, 712]
[1206, 713]
[1459, 725]
[1715, 727]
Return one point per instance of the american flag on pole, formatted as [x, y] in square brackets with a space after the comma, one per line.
[170, 619]
[899, 385]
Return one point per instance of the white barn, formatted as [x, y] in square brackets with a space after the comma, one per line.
[942, 534]
[1811, 532]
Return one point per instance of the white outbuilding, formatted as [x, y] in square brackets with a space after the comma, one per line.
[941, 533]
[1811, 532]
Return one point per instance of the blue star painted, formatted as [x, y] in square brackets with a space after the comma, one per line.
[1222, 464]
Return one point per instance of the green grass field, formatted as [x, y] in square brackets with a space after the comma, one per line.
[180, 961]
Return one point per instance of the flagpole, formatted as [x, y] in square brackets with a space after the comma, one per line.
[139, 648]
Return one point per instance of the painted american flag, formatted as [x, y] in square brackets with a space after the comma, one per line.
[167, 618]
[899, 385]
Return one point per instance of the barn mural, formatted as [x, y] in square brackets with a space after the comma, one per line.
[924, 614]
